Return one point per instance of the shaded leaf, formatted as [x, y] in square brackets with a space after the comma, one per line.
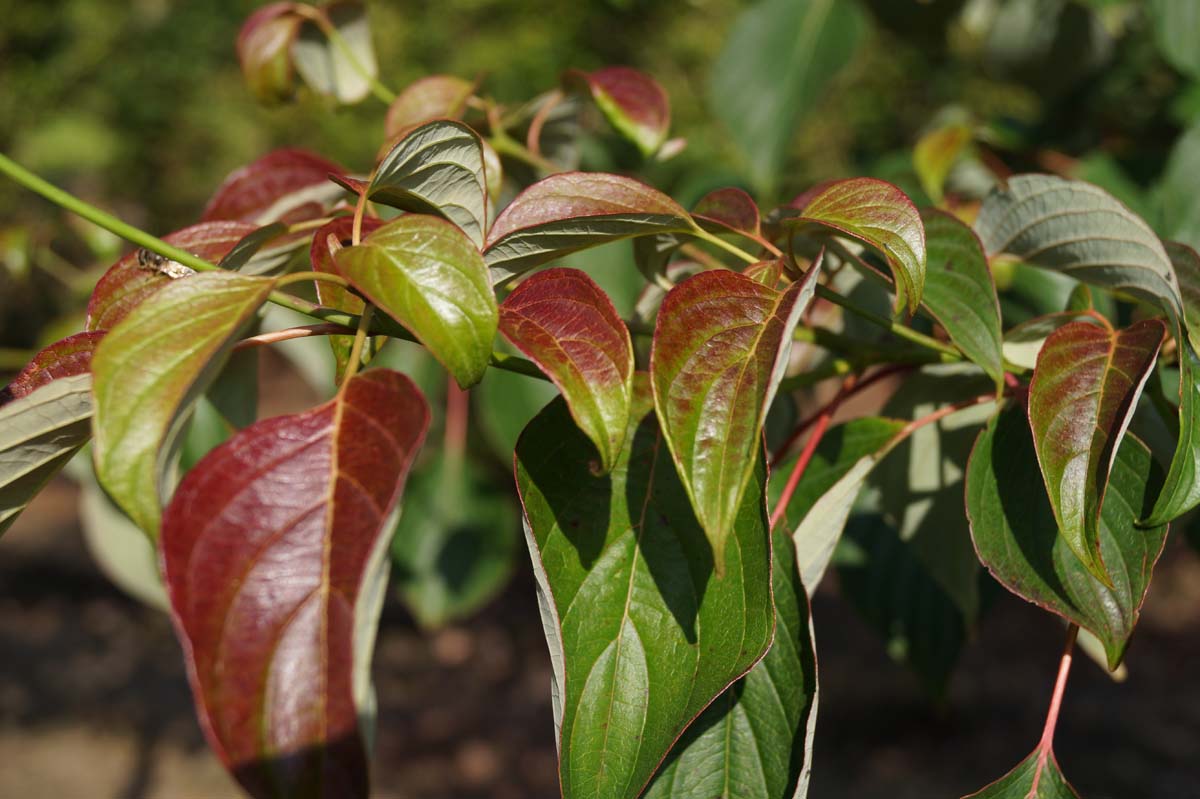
[573, 210]
[427, 275]
[436, 168]
[149, 371]
[775, 65]
[755, 740]
[1036, 777]
[265, 250]
[287, 185]
[935, 155]
[732, 209]
[64, 358]
[563, 321]
[264, 51]
[344, 69]
[633, 102]
[1017, 537]
[1176, 25]
[721, 345]
[128, 559]
[642, 633]
[276, 603]
[328, 239]
[39, 433]
[767, 273]
[431, 97]
[1023, 342]
[1081, 398]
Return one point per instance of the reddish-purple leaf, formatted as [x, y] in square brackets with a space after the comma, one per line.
[64, 358]
[274, 553]
[328, 239]
[1081, 398]
[432, 97]
[633, 102]
[573, 210]
[128, 283]
[286, 185]
[720, 348]
[567, 324]
[264, 51]
[730, 208]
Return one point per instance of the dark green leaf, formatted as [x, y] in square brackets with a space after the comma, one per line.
[1036, 777]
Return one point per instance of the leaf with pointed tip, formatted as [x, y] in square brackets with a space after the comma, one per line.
[936, 153]
[732, 209]
[39, 433]
[574, 210]
[755, 740]
[436, 168]
[431, 97]
[1083, 393]
[150, 369]
[567, 324]
[64, 358]
[960, 292]
[276, 603]
[881, 216]
[1023, 342]
[264, 51]
[1017, 538]
[642, 633]
[126, 283]
[1082, 231]
[632, 102]
[427, 275]
[721, 345]
[1035, 777]
[343, 70]
[287, 185]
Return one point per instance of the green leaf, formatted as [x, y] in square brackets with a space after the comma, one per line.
[431, 97]
[1082, 396]
[427, 275]
[1176, 25]
[642, 634]
[573, 210]
[436, 168]
[935, 155]
[328, 239]
[454, 546]
[960, 293]
[632, 102]
[1174, 197]
[39, 432]
[721, 345]
[149, 371]
[1082, 231]
[1017, 537]
[1036, 777]
[825, 495]
[120, 549]
[264, 51]
[342, 69]
[563, 321]
[878, 214]
[774, 68]
[755, 741]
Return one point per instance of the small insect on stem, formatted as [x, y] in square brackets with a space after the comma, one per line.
[152, 261]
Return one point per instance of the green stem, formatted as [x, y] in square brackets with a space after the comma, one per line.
[356, 349]
[381, 92]
[504, 144]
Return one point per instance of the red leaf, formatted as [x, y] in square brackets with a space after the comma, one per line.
[633, 102]
[69, 356]
[126, 283]
[567, 324]
[321, 255]
[263, 48]
[432, 97]
[271, 550]
[286, 185]
[730, 208]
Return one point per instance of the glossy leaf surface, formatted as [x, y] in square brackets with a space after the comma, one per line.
[1082, 396]
[574, 210]
[276, 603]
[286, 185]
[642, 633]
[633, 102]
[721, 344]
[65, 358]
[427, 275]
[880, 215]
[151, 368]
[1036, 777]
[436, 168]
[755, 741]
[431, 97]
[564, 321]
[342, 69]
[264, 51]
[39, 432]
[960, 292]
[1017, 537]
[731, 208]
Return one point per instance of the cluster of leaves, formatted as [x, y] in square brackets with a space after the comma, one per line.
[678, 510]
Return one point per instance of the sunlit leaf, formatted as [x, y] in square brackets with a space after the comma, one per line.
[573, 210]
[264, 51]
[1023, 342]
[426, 274]
[1017, 538]
[721, 345]
[151, 368]
[936, 153]
[732, 209]
[431, 97]
[563, 321]
[277, 603]
[633, 102]
[286, 185]
[642, 633]
[1036, 777]
[1082, 396]
[69, 356]
[436, 168]
[341, 69]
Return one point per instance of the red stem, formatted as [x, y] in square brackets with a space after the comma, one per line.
[1046, 746]
[457, 411]
[292, 332]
